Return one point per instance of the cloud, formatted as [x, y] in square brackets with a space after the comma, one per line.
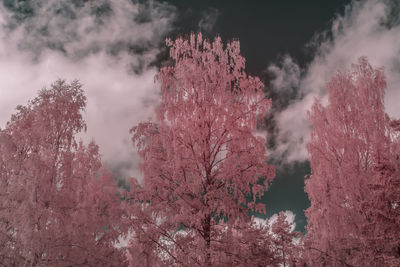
[286, 75]
[290, 219]
[208, 20]
[367, 28]
[106, 45]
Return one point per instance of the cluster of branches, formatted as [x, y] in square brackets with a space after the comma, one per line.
[58, 206]
[354, 187]
[204, 167]
[204, 171]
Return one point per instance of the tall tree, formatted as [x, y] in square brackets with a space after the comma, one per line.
[58, 207]
[202, 160]
[286, 241]
[354, 218]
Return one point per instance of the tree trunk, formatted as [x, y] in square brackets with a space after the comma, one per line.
[207, 237]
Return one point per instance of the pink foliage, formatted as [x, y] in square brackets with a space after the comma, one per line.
[287, 250]
[201, 158]
[354, 218]
[57, 206]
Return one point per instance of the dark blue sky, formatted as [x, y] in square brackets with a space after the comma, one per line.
[114, 47]
[266, 29]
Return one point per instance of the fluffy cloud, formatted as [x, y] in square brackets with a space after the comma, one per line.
[286, 75]
[106, 45]
[208, 20]
[367, 28]
[290, 219]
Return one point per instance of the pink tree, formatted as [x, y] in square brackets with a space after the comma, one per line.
[285, 241]
[354, 218]
[57, 206]
[201, 158]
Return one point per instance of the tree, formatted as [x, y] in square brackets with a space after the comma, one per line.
[58, 207]
[284, 241]
[202, 161]
[354, 184]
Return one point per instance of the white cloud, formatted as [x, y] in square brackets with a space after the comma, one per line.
[286, 75]
[290, 219]
[94, 53]
[367, 28]
[208, 20]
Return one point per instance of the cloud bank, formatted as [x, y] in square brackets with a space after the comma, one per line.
[106, 45]
[367, 28]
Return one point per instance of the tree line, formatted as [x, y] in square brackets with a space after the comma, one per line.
[204, 171]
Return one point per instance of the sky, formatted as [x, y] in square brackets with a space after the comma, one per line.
[115, 47]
